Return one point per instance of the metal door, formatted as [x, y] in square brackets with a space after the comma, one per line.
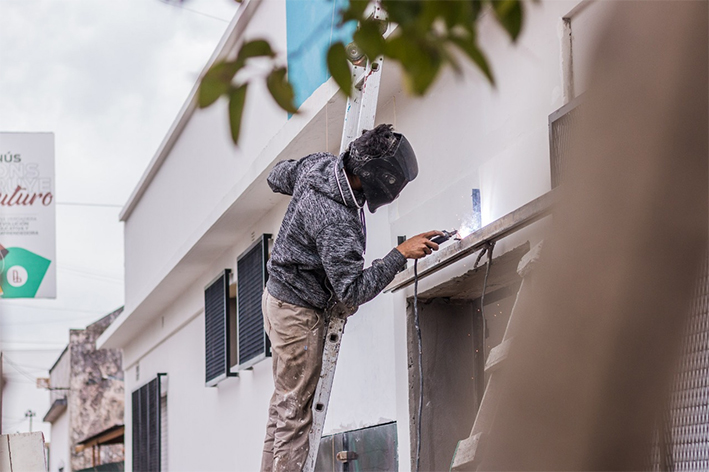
[369, 449]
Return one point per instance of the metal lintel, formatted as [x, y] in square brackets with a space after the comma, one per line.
[498, 229]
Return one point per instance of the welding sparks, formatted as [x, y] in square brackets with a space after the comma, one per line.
[466, 228]
[468, 225]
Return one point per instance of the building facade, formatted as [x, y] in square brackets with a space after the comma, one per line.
[198, 375]
[86, 397]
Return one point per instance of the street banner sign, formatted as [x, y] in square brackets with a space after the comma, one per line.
[27, 216]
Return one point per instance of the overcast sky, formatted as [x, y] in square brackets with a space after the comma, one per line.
[108, 77]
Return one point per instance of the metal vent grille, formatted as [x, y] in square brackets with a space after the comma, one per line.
[216, 329]
[560, 126]
[683, 443]
[251, 272]
[146, 427]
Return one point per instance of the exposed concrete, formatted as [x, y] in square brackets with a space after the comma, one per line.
[96, 399]
[91, 381]
[469, 286]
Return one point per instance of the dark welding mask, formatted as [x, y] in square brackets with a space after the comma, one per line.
[384, 177]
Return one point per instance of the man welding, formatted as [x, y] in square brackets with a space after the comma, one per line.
[317, 263]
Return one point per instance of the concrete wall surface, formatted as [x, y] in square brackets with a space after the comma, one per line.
[59, 376]
[23, 452]
[97, 391]
[209, 201]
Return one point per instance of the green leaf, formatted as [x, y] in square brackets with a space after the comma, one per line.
[216, 82]
[255, 48]
[476, 8]
[403, 13]
[355, 11]
[451, 59]
[509, 13]
[430, 10]
[237, 98]
[369, 39]
[456, 13]
[475, 54]
[281, 90]
[339, 68]
[426, 72]
[421, 60]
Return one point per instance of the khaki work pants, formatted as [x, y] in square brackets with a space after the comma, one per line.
[297, 337]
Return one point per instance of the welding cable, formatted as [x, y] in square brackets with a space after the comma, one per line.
[420, 365]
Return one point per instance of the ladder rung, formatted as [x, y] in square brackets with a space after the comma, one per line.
[359, 81]
[497, 355]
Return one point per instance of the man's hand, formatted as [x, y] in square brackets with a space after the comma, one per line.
[419, 246]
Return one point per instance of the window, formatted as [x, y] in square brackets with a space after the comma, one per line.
[561, 123]
[146, 426]
[218, 325]
[253, 344]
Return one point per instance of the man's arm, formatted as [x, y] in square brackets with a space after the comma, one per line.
[340, 250]
[284, 175]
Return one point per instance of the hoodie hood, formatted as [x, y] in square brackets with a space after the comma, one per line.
[347, 195]
[327, 176]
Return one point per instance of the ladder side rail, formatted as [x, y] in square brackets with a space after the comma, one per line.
[359, 115]
[352, 112]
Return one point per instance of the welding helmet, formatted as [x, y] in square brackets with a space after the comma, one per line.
[385, 174]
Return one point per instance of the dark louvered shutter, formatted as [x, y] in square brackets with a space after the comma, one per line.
[146, 427]
[251, 280]
[217, 328]
[138, 452]
[561, 123]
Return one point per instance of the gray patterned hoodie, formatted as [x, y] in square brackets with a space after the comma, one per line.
[317, 259]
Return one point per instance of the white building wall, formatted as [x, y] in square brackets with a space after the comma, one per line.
[59, 377]
[202, 169]
[209, 429]
[467, 135]
[59, 455]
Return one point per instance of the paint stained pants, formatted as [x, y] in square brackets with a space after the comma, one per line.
[297, 336]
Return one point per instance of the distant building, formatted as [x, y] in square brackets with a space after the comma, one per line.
[86, 399]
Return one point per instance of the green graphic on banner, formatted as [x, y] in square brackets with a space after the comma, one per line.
[22, 273]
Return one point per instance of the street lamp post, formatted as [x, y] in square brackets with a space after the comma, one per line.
[30, 414]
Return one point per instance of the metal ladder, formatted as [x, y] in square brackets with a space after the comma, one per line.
[467, 453]
[359, 115]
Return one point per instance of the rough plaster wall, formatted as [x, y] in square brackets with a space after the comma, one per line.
[96, 399]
